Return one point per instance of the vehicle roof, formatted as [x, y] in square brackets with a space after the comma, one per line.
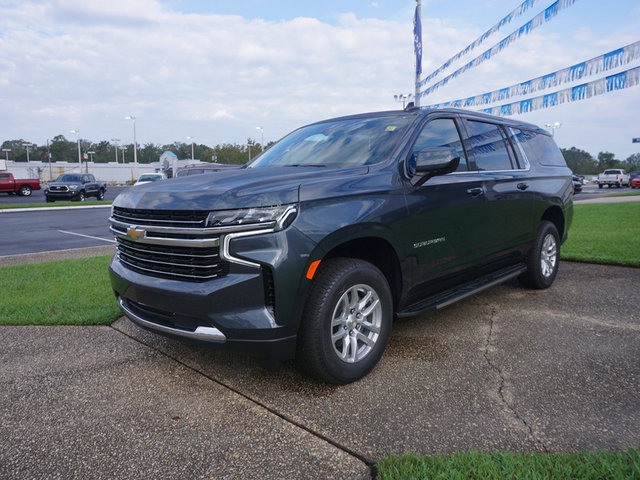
[424, 112]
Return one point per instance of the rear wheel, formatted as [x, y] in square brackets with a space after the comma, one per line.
[25, 190]
[544, 258]
[346, 321]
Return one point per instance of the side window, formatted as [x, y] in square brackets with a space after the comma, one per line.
[441, 132]
[488, 146]
[4, 176]
[518, 139]
[543, 149]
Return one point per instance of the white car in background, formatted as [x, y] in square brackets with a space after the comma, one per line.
[149, 177]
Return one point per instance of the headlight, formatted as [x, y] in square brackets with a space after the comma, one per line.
[281, 216]
[73, 187]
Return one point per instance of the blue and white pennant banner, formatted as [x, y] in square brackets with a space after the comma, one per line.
[602, 63]
[543, 17]
[516, 12]
[619, 81]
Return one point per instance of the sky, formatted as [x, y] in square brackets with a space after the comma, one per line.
[216, 70]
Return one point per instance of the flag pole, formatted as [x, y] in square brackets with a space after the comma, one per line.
[417, 47]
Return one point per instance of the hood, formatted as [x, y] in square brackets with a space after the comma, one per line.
[229, 189]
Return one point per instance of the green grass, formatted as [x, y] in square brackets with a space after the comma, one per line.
[475, 465]
[605, 233]
[64, 292]
[55, 204]
[624, 194]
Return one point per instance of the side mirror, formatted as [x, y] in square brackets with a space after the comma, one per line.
[437, 160]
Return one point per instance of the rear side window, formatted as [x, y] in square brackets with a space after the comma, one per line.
[4, 176]
[488, 146]
[541, 148]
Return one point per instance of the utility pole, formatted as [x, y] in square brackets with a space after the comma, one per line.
[417, 47]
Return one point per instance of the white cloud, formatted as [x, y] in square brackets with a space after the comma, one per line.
[86, 65]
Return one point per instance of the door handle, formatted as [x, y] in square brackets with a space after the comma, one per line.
[522, 186]
[475, 192]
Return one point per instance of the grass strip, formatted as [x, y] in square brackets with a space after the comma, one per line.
[55, 204]
[63, 292]
[605, 233]
[474, 465]
[623, 194]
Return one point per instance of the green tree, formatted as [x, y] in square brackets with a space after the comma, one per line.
[633, 162]
[579, 161]
[607, 160]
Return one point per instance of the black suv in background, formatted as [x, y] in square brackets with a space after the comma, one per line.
[75, 186]
[313, 248]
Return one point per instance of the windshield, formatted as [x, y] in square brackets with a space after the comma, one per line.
[340, 143]
[149, 178]
[69, 178]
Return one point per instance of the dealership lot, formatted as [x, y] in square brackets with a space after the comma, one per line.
[507, 369]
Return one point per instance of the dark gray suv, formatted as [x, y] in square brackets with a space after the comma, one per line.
[312, 249]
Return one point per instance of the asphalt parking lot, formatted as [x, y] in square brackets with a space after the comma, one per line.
[509, 369]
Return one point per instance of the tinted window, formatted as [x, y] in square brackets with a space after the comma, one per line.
[488, 146]
[4, 176]
[541, 148]
[441, 132]
[518, 139]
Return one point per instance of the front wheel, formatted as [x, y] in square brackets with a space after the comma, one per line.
[82, 196]
[25, 190]
[346, 321]
[100, 195]
[544, 258]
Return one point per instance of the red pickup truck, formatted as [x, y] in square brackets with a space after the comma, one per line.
[23, 187]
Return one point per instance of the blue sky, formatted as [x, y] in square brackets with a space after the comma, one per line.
[216, 70]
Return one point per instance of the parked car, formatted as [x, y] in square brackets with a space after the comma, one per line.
[149, 177]
[577, 183]
[614, 177]
[633, 175]
[23, 187]
[635, 183]
[200, 168]
[75, 186]
[318, 244]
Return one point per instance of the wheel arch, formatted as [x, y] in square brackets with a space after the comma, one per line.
[555, 215]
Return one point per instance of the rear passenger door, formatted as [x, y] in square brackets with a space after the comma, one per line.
[506, 186]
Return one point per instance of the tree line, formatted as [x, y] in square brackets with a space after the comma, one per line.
[62, 150]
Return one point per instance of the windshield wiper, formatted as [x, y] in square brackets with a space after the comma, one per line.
[305, 165]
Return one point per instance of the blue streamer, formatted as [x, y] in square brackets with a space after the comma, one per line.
[616, 82]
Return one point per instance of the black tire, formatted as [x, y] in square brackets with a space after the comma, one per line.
[100, 195]
[544, 258]
[332, 322]
[82, 196]
[599, 185]
[49, 199]
[25, 190]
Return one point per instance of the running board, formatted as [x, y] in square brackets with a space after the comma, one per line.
[446, 298]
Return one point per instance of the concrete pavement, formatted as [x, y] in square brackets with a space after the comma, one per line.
[509, 368]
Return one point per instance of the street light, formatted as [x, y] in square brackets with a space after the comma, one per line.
[191, 138]
[135, 145]
[77, 132]
[553, 127]
[6, 153]
[262, 139]
[27, 145]
[123, 149]
[115, 145]
[402, 97]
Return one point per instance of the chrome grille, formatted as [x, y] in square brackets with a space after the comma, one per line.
[58, 188]
[193, 264]
[165, 218]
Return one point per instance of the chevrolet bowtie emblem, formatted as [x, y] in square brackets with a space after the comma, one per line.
[134, 233]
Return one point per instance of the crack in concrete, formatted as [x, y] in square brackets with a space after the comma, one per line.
[502, 381]
[368, 462]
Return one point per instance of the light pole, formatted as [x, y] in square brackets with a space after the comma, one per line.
[553, 127]
[115, 147]
[123, 149]
[6, 153]
[262, 139]
[77, 132]
[403, 97]
[191, 138]
[27, 145]
[135, 145]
